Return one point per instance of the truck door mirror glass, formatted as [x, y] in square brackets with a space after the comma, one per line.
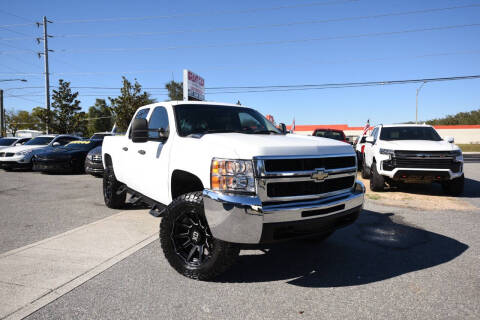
[139, 130]
[282, 128]
[370, 139]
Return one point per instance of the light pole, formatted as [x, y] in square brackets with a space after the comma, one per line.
[2, 110]
[416, 107]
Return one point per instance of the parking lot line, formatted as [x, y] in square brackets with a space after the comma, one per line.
[35, 275]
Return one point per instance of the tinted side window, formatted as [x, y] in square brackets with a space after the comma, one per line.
[64, 140]
[158, 123]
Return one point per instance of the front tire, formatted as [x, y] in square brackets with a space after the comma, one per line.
[113, 196]
[365, 169]
[377, 181]
[188, 244]
[455, 186]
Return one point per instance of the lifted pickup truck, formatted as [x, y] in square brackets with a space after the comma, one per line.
[222, 177]
[407, 153]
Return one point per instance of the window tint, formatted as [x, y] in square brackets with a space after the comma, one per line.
[64, 140]
[158, 122]
[329, 134]
[248, 122]
[410, 133]
[142, 114]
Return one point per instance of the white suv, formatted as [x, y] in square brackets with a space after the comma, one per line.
[412, 154]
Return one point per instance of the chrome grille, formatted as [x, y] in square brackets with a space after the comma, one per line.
[281, 179]
[97, 158]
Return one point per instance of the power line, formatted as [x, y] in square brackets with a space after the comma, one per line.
[192, 14]
[14, 15]
[428, 55]
[288, 24]
[214, 13]
[273, 42]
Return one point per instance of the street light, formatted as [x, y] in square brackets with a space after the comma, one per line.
[2, 110]
[416, 108]
[3, 80]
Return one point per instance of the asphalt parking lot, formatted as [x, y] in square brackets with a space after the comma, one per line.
[393, 263]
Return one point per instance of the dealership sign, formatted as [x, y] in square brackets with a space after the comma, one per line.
[193, 86]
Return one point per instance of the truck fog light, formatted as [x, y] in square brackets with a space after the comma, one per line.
[232, 175]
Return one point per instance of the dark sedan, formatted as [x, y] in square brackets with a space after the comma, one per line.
[70, 158]
[93, 162]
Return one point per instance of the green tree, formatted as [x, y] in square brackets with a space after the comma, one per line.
[100, 117]
[175, 90]
[39, 118]
[65, 109]
[472, 117]
[125, 105]
[15, 121]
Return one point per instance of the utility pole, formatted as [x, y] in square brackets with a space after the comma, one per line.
[416, 106]
[2, 114]
[47, 75]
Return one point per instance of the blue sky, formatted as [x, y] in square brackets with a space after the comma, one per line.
[79, 58]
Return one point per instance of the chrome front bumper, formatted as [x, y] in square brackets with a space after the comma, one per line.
[242, 219]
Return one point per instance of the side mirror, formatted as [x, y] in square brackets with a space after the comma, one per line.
[56, 144]
[450, 139]
[283, 128]
[370, 139]
[140, 130]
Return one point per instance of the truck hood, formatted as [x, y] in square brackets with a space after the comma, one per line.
[247, 146]
[418, 145]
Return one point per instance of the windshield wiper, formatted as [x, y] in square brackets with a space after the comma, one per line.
[264, 132]
[205, 131]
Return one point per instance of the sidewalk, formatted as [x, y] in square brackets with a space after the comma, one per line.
[35, 275]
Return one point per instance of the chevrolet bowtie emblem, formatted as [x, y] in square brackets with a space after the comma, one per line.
[320, 175]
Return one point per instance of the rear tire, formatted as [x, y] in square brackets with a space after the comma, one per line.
[112, 194]
[188, 244]
[365, 169]
[377, 181]
[455, 186]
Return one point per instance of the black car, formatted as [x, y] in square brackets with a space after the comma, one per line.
[93, 162]
[70, 158]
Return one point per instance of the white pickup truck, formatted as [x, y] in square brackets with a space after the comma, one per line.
[221, 176]
[405, 153]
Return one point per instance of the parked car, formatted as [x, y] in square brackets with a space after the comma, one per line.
[330, 134]
[412, 154]
[222, 176]
[93, 162]
[70, 158]
[12, 141]
[100, 135]
[20, 157]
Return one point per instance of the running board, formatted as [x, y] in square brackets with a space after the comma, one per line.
[157, 209]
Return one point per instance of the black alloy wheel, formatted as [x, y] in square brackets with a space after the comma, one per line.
[191, 238]
[189, 245]
[113, 194]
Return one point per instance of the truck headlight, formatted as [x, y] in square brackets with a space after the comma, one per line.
[456, 153]
[232, 175]
[387, 151]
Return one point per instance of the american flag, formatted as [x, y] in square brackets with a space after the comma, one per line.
[366, 128]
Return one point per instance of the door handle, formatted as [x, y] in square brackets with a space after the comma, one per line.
[142, 152]
[125, 149]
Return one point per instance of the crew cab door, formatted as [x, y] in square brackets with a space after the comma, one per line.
[153, 158]
[369, 148]
[127, 157]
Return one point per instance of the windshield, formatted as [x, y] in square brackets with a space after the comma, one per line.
[409, 133]
[39, 141]
[99, 136]
[329, 134]
[83, 145]
[6, 142]
[209, 119]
